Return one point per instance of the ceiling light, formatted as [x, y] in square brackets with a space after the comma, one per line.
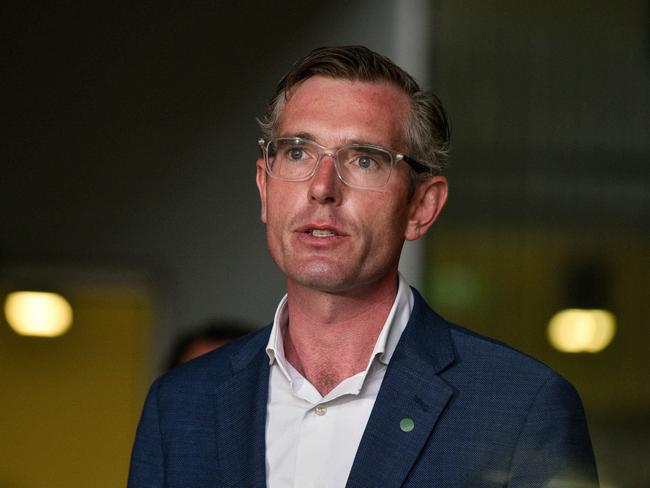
[36, 313]
[581, 330]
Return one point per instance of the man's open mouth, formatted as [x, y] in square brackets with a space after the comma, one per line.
[321, 233]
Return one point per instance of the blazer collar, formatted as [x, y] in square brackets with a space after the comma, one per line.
[411, 399]
[241, 416]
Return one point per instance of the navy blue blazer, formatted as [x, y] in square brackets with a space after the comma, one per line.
[485, 415]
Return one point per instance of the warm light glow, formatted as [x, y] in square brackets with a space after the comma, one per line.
[578, 330]
[36, 313]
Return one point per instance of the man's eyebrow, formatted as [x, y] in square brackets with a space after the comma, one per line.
[311, 137]
[300, 135]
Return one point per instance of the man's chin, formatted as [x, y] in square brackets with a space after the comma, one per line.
[324, 280]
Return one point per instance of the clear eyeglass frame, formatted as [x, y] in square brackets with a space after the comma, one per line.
[394, 156]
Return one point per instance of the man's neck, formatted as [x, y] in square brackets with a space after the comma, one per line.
[331, 336]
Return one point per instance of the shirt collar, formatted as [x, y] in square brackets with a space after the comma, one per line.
[398, 317]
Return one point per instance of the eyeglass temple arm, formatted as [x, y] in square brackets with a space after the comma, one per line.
[417, 165]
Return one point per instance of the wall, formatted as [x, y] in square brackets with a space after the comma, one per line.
[133, 141]
[70, 404]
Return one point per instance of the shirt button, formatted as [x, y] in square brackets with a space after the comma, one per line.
[320, 410]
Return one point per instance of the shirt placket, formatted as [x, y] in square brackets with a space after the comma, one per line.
[315, 446]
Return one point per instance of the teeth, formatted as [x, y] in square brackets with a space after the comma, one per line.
[321, 233]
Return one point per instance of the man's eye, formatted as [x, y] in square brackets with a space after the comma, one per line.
[296, 154]
[366, 162]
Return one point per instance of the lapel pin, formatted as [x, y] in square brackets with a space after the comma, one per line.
[406, 424]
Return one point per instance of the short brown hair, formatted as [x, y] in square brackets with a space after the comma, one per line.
[427, 132]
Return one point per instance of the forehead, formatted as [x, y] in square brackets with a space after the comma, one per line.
[337, 111]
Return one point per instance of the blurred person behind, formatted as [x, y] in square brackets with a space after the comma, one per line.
[207, 337]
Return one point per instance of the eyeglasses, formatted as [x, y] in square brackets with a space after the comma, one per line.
[357, 165]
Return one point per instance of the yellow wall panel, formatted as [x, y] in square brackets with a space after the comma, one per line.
[69, 405]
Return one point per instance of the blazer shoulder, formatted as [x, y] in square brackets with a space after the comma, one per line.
[486, 351]
[475, 356]
[218, 365]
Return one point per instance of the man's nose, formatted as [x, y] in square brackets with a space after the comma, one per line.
[325, 185]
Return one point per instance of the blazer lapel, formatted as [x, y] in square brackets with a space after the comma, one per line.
[410, 401]
[241, 417]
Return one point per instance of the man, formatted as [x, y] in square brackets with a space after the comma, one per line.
[357, 382]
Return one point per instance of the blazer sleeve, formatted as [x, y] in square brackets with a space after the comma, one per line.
[554, 448]
[147, 467]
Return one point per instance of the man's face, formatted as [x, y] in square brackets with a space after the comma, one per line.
[322, 233]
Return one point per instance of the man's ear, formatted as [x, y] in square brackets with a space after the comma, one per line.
[260, 178]
[425, 206]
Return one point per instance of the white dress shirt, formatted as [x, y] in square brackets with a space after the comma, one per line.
[311, 440]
